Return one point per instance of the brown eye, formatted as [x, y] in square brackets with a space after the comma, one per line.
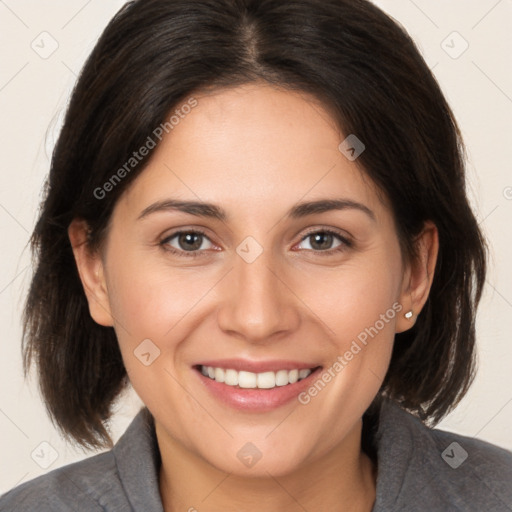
[325, 241]
[187, 242]
[190, 241]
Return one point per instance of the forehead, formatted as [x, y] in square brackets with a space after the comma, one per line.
[252, 146]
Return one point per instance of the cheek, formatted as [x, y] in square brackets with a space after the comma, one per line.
[149, 298]
[358, 304]
[355, 297]
[360, 312]
[150, 307]
[151, 301]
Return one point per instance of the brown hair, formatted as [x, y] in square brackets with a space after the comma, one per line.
[350, 55]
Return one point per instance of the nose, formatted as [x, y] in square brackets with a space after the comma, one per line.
[257, 304]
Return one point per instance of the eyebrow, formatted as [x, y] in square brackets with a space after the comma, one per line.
[209, 210]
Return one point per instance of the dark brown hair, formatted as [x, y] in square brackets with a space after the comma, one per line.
[155, 54]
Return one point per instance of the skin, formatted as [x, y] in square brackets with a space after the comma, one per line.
[256, 151]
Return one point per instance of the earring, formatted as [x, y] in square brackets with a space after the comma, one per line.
[408, 314]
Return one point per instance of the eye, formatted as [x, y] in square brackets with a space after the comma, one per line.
[183, 242]
[191, 243]
[323, 240]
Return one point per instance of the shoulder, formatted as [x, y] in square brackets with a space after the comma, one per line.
[67, 488]
[432, 469]
[475, 469]
[120, 480]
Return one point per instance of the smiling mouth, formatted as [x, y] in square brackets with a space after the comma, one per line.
[250, 380]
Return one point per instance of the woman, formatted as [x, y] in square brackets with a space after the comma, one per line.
[256, 216]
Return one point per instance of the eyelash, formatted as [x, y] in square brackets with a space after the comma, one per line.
[346, 243]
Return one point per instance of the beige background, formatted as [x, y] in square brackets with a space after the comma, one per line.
[35, 86]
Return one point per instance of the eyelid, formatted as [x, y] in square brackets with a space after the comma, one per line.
[179, 231]
[326, 229]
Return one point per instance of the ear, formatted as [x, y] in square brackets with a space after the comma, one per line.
[91, 271]
[418, 276]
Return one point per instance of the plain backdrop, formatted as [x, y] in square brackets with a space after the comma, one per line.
[43, 45]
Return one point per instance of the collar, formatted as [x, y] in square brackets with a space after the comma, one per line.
[138, 463]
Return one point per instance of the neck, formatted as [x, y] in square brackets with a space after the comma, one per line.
[344, 480]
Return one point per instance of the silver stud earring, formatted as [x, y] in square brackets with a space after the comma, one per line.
[408, 314]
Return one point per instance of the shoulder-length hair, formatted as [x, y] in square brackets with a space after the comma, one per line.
[351, 56]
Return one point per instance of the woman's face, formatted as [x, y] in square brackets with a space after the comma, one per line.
[257, 281]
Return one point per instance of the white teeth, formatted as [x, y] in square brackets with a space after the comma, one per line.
[293, 376]
[247, 379]
[250, 380]
[282, 378]
[266, 380]
[231, 378]
[219, 375]
[304, 373]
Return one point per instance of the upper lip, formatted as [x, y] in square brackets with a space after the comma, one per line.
[258, 366]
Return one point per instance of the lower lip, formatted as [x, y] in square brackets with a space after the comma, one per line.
[256, 400]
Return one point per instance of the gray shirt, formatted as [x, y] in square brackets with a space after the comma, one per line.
[419, 469]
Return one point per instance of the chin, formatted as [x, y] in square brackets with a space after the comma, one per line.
[249, 461]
